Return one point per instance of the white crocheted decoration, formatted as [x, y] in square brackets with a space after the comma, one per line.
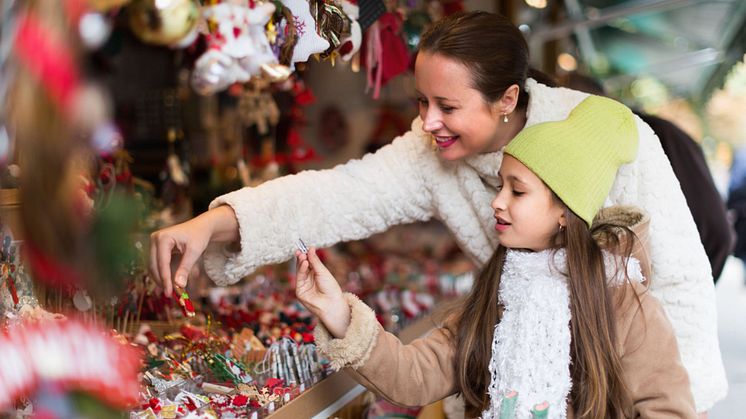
[309, 41]
[531, 344]
[355, 38]
[262, 53]
[233, 28]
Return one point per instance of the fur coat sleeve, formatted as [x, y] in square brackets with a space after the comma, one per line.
[415, 374]
[351, 201]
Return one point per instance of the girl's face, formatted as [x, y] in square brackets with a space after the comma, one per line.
[455, 113]
[528, 216]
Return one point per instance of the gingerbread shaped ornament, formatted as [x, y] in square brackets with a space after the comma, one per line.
[309, 41]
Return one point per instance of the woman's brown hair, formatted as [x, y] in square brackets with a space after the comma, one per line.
[598, 386]
[490, 46]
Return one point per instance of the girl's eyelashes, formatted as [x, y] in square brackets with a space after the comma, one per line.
[515, 192]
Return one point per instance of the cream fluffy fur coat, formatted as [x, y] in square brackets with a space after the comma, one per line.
[406, 182]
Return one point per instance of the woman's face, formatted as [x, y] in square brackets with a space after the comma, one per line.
[527, 215]
[455, 113]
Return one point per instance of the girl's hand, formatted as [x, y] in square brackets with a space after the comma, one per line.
[319, 291]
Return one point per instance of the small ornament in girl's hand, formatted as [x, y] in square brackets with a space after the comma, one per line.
[301, 246]
[184, 302]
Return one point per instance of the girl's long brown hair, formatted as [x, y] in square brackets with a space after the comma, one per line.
[598, 386]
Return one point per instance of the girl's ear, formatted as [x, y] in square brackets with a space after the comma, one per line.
[563, 220]
[509, 100]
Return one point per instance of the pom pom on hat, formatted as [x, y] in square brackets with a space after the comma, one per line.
[578, 157]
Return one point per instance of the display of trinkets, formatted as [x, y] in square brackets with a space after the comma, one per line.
[17, 297]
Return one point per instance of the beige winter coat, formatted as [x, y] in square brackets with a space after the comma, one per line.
[423, 371]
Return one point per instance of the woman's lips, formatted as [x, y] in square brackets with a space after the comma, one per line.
[445, 142]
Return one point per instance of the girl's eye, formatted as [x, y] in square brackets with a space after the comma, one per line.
[447, 109]
[518, 193]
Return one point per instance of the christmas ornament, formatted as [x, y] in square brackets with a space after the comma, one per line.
[74, 355]
[262, 55]
[417, 21]
[4, 145]
[82, 301]
[238, 46]
[332, 23]
[214, 71]
[350, 44]
[386, 54]
[309, 41]
[184, 302]
[276, 73]
[231, 36]
[163, 22]
[94, 29]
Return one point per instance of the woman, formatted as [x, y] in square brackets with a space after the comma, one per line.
[474, 96]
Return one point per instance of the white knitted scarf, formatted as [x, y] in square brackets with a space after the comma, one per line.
[531, 344]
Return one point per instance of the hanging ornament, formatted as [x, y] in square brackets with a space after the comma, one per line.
[332, 23]
[282, 35]
[451, 7]
[82, 301]
[4, 145]
[262, 54]
[309, 41]
[94, 29]
[276, 73]
[417, 21]
[163, 22]
[238, 47]
[350, 43]
[386, 53]
[106, 138]
[213, 72]
[231, 35]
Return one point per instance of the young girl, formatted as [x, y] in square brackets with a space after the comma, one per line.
[558, 316]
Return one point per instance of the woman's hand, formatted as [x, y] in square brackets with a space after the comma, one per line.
[189, 240]
[317, 289]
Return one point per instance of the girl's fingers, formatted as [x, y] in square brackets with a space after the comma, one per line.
[316, 263]
[302, 270]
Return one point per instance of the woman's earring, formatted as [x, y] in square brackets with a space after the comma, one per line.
[562, 228]
[505, 118]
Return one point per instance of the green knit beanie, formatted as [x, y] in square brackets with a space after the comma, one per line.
[578, 157]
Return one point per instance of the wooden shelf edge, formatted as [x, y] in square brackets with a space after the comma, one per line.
[334, 388]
